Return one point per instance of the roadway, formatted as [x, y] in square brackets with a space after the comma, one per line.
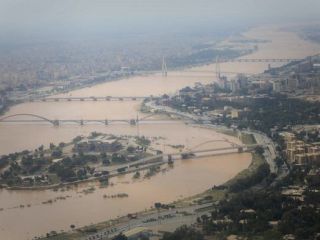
[176, 216]
[262, 139]
[91, 98]
[89, 121]
[270, 152]
[163, 158]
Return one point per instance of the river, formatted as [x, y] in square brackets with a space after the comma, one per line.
[185, 179]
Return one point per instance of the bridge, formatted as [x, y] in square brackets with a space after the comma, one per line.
[38, 118]
[92, 98]
[260, 60]
[224, 140]
[186, 154]
[214, 151]
[218, 60]
[34, 118]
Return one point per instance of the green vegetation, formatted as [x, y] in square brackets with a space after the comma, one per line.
[143, 141]
[120, 237]
[251, 213]
[263, 113]
[183, 233]
[202, 56]
[255, 173]
[152, 171]
[71, 162]
[248, 138]
[136, 175]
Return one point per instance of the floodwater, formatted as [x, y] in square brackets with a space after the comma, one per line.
[185, 179]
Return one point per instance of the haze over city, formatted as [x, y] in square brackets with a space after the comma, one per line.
[22, 20]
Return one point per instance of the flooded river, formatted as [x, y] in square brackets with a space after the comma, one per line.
[185, 179]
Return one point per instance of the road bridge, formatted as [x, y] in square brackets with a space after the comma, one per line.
[165, 70]
[92, 98]
[35, 119]
[186, 154]
[260, 60]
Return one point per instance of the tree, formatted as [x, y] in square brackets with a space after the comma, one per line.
[130, 149]
[41, 148]
[27, 161]
[52, 146]
[157, 205]
[118, 158]
[56, 153]
[120, 237]
[106, 162]
[259, 150]
[183, 233]
[279, 161]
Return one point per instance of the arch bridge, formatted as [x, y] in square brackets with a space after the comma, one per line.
[37, 118]
[34, 118]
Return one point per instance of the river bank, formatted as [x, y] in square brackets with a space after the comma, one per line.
[187, 178]
[198, 201]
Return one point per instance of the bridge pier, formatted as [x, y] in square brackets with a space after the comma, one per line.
[81, 122]
[106, 122]
[133, 122]
[187, 155]
[56, 123]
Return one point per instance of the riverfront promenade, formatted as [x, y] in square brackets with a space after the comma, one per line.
[262, 139]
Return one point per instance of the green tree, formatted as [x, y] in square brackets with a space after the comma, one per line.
[120, 237]
[183, 233]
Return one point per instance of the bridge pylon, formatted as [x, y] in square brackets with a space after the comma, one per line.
[218, 70]
[164, 68]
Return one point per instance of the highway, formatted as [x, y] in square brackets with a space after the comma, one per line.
[270, 152]
[177, 216]
[262, 139]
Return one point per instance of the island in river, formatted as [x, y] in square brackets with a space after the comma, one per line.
[85, 158]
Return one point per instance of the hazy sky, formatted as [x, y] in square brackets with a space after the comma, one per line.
[41, 17]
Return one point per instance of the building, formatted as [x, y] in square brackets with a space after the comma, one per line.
[98, 144]
[276, 86]
[291, 84]
[298, 152]
[234, 85]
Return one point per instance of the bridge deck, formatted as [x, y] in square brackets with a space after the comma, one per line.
[92, 98]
